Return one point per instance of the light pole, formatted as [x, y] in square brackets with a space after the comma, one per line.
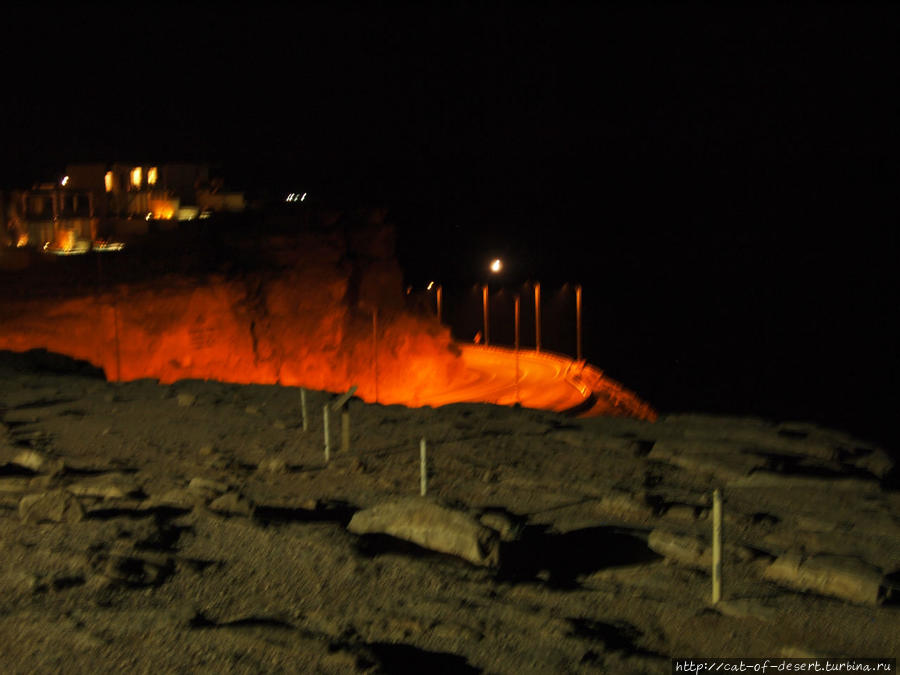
[484, 304]
[495, 267]
[537, 317]
[517, 346]
[578, 322]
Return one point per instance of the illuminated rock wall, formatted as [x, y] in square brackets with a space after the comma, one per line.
[304, 319]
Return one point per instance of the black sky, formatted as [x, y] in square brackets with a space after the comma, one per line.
[717, 176]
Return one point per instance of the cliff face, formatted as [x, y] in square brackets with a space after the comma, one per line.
[301, 315]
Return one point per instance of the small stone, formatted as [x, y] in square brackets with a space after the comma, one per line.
[179, 499]
[56, 506]
[232, 504]
[38, 462]
[207, 485]
[111, 486]
[274, 465]
[186, 400]
[207, 449]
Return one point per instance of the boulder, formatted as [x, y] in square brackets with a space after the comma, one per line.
[232, 504]
[844, 577]
[432, 526]
[56, 506]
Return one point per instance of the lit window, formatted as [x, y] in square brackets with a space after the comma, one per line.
[136, 174]
[108, 181]
[151, 175]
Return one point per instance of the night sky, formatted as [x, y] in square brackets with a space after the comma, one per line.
[722, 181]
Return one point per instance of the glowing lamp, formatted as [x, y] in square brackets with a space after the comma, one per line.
[64, 181]
[108, 181]
[136, 175]
[496, 265]
[152, 172]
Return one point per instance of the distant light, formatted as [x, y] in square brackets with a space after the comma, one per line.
[136, 174]
[108, 181]
[303, 197]
[22, 241]
[65, 181]
[290, 197]
[430, 285]
[204, 215]
[149, 215]
[151, 175]
[496, 265]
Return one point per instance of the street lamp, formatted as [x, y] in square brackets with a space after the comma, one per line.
[484, 304]
[439, 294]
[495, 267]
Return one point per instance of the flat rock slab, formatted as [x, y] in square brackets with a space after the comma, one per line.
[842, 577]
[692, 551]
[431, 526]
[55, 506]
[108, 486]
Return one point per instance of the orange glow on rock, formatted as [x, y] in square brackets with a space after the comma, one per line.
[308, 324]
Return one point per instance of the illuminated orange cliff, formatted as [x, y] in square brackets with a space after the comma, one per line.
[322, 310]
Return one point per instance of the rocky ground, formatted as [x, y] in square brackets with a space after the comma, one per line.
[195, 527]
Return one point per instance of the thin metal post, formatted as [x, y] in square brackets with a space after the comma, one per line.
[327, 426]
[423, 469]
[303, 409]
[484, 301]
[717, 546]
[537, 317]
[517, 345]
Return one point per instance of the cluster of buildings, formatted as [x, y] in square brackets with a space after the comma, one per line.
[96, 205]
